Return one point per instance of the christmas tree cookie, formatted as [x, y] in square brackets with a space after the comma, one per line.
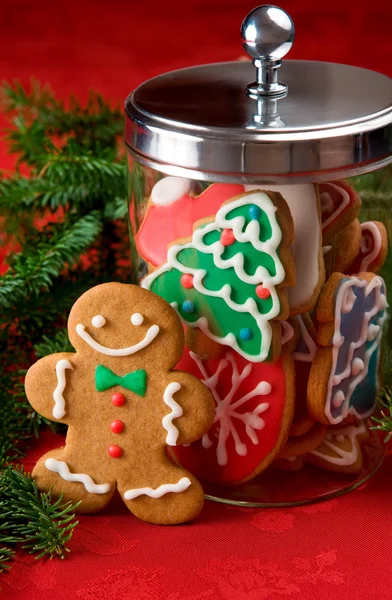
[230, 278]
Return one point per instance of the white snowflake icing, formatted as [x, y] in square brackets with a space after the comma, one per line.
[227, 412]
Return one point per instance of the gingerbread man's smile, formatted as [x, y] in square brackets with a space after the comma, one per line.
[99, 321]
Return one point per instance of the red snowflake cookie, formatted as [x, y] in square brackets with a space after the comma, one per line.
[254, 409]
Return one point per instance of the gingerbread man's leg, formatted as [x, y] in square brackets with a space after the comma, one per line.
[69, 475]
[161, 492]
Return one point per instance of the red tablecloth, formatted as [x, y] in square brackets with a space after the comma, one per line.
[340, 549]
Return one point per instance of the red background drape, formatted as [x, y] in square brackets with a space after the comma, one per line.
[338, 549]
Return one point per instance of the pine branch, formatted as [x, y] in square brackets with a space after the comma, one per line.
[6, 554]
[75, 164]
[95, 123]
[384, 421]
[66, 179]
[41, 525]
[51, 345]
[44, 257]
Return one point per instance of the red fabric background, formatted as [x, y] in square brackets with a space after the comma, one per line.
[338, 549]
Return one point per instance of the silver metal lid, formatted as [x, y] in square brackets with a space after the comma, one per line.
[302, 121]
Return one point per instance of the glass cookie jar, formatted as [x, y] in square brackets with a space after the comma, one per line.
[258, 211]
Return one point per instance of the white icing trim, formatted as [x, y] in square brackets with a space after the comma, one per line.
[176, 411]
[357, 365]
[287, 332]
[137, 319]
[307, 338]
[160, 491]
[226, 412]
[170, 189]
[61, 467]
[344, 203]
[326, 249]
[344, 457]
[334, 379]
[377, 240]
[151, 334]
[59, 401]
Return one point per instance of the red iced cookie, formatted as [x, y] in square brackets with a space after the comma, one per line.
[254, 410]
[340, 205]
[173, 210]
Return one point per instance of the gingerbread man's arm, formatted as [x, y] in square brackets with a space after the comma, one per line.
[189, 409]
[48, 384]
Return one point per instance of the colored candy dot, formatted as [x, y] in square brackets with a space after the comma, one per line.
[254, 212]
[227, 237]
[115, 451]
[187, 281]
[188, 306]
[246, 333]
[117, 426]
[262, 292]
[118, 399]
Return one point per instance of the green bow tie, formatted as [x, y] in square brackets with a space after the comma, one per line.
[136, 381]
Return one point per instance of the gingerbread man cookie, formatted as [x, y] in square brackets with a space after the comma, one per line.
[123, 405]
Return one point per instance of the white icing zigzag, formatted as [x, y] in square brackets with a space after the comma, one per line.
[160, 491]
[226, 412]
[59, 401]
[176, 411]
[61, 467]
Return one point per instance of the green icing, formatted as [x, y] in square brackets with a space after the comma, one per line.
[221, 318]
[216, 278]
[136, 381]
[265, 224]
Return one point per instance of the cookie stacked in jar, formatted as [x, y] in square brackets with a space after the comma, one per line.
[247, 220]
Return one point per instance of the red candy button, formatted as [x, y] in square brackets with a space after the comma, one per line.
[187, 281]
[227, 237]
[118, 399]
[262, 292]
[117, 426]
[115, 451]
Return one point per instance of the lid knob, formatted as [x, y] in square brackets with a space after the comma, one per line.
[267, 35]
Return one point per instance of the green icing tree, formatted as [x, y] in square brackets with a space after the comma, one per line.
[224, 280]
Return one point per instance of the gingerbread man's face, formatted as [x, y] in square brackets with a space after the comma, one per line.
[123, 325]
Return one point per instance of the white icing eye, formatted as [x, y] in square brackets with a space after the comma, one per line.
[137, 319]
[98, 321]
